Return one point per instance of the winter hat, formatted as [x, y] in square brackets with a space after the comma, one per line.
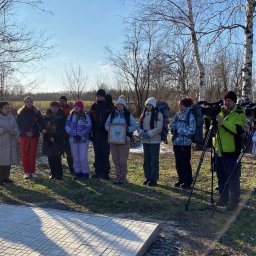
[121, 101]
[79, 104]
[151, 101]
[186, 102]
[231, 95]
[3, 103]
[55, 104]
[63, 98]
[101, 92]
[28, 98]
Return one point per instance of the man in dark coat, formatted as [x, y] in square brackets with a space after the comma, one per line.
[99, 113]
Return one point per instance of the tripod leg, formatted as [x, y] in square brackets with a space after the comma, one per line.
[208, 137]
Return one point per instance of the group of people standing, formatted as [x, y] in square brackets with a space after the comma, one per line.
[67, 130]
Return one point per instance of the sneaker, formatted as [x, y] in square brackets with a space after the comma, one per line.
[185, 186]
[33, 175]
[146, 182]
[51, 177]
[26, 176]
[177, 184]
[152, 183]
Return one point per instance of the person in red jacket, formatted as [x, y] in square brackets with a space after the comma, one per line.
[28, 120]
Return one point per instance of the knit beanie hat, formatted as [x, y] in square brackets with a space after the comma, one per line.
[63, 98]
[231, 95]
[186, 102]
[101, 92]
[79, 104]
[121, 101]
[151, 101]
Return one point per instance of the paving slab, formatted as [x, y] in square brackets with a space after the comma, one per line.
[36, 231]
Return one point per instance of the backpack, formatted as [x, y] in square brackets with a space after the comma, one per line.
[164, 108]
[197, 138]
[127, 115]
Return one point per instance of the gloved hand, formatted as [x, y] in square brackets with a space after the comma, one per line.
[143, 134]
[77, 138]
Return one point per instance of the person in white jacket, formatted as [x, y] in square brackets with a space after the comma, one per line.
[150, 128]
[8, 142]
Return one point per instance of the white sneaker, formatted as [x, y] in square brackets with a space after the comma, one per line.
[33, 175]
[26, 176]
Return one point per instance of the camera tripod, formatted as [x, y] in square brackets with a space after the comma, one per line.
[213, 130]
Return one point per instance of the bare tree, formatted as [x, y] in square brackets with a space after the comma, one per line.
[19, 47]
[75, 81]
[134, 63]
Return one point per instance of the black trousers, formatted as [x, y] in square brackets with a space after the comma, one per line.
[69, 155]
[55, 166]
[5, 172]
[182, 159]
[225, 167]
[101, 154]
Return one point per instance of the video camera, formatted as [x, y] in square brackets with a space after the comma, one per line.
[211, 109]
[249, 108]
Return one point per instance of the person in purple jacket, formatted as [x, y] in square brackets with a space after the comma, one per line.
[78, 126]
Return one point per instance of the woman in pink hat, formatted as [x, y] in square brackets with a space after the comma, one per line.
[78, 126]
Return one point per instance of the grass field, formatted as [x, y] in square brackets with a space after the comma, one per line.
[222, 234]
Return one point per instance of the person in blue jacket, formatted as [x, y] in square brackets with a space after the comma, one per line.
[182, 132]
[78, 126]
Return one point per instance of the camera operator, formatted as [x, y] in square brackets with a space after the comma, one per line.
[231, 121]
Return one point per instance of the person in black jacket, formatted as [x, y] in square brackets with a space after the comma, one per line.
[53, 130]
[99, 113]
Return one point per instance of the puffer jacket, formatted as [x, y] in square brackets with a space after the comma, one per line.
[154, 133]
[230, 131]
[78, 124]
[8, 143]
[183, 130]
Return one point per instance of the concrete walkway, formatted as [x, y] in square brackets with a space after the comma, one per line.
[37, 231]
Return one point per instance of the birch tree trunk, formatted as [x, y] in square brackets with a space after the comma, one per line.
[201, 93]
[248, 50]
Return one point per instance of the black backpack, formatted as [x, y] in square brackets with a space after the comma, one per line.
[197, 138]
[164, 108]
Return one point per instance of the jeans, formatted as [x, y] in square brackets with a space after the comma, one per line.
[151, 161]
